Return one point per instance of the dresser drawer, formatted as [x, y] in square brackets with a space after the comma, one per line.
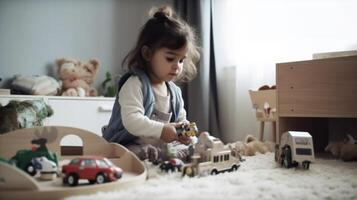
[86, 114]
[318, 88]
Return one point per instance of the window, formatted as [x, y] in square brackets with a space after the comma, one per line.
[101, 164]
[215, 159]
[74, 161]
[88, 163]
[303, 151]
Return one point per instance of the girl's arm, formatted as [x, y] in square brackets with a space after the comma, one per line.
[182, 114]
[133, 113]
[182, 119]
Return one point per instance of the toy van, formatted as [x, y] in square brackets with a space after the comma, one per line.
[296, 147]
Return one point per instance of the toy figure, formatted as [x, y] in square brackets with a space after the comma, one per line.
[46, 167]
[187, 129]
[173, 165]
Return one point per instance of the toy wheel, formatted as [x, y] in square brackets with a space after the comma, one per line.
[214, 172]
[30, 169]
[65, 180]
[72, 180]
[188, 171]
[234, 168]
[306, 164]
[100, 179]
[276, 153]
[287, 157]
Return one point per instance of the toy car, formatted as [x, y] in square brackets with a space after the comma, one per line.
[295, 147]
[173, 165]
[188, 129]
[95, 169]
[25, 159]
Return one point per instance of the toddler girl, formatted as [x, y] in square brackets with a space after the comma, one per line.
[149, 106]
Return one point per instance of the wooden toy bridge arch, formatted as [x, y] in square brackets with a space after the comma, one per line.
[16, 184]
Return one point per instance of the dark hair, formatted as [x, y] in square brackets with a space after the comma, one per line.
[165, 29]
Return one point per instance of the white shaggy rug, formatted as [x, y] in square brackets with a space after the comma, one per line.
[257, 178]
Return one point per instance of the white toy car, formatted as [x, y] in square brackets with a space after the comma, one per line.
[295, 147]
[47, 168]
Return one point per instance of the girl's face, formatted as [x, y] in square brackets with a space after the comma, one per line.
[166, 64]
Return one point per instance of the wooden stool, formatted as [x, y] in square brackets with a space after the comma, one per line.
[261, 132]
[264, 103]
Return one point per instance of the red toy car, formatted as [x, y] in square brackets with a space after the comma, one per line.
[95, 169]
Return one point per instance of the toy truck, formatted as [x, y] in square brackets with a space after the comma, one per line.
[295, 148]
[26, 159]
[210, 156]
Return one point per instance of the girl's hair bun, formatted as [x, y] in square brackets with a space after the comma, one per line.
[163, 13]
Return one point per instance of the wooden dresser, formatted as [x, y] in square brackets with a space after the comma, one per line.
[311, 93]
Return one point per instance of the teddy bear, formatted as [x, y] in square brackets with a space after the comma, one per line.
[251, 146]
[77, 76]
[346, 150]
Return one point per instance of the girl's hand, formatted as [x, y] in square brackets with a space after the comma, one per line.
[168, 133]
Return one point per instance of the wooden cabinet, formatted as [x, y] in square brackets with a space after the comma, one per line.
[89, 113]
[312, 93]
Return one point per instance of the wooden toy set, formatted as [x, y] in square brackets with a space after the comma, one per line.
[17, 183]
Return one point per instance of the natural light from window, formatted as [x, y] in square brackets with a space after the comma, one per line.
[251, 36]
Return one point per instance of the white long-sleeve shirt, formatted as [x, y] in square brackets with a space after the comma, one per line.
[133, 113]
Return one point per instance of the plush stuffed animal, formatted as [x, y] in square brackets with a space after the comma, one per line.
[35, 85]
[346, 150]
[23, 114]
[77, 76]
[251, 146]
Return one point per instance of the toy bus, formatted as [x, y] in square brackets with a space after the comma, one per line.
[210, 157]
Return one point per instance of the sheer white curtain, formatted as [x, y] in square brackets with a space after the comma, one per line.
[251, 36]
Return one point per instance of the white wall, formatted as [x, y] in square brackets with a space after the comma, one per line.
[33, 33]
[252, 35]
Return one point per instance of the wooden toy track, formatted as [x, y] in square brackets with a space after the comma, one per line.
[16, 184]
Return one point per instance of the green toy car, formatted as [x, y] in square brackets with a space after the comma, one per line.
[26, 159]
